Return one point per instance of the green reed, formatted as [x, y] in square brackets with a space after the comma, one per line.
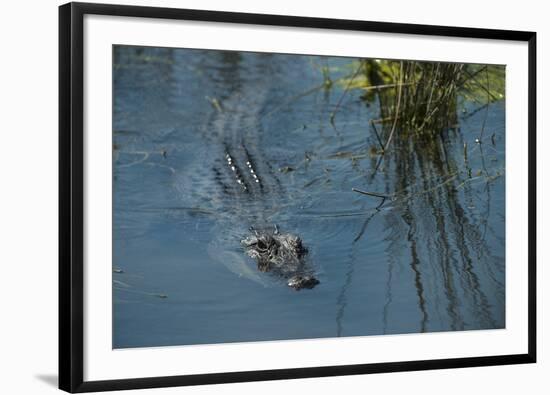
[420, 99]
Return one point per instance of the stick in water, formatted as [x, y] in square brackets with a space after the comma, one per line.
[379, 195]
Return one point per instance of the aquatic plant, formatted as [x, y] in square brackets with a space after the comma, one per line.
[420, 98]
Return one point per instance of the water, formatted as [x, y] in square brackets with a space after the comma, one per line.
[430, 258]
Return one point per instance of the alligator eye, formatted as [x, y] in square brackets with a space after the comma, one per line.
[262, 245]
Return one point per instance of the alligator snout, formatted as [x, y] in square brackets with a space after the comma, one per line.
[282, 253]
[305, 281]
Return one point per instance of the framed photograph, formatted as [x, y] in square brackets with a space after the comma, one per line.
[251, 197]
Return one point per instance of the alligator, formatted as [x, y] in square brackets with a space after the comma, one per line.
[232, 177]
[274, 251]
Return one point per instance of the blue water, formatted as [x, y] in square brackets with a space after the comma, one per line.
[429, 259]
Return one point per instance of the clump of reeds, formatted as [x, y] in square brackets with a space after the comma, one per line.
[420, 98]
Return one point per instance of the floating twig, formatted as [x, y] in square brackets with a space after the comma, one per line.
[379, 195]
[215, 103]
[286, 169]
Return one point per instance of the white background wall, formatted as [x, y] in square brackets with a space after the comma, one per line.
[28, 200]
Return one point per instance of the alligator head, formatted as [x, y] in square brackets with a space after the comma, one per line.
[282, 253]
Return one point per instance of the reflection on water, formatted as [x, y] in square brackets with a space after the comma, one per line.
[426, 254]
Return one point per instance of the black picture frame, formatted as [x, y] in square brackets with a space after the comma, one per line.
[71, 195]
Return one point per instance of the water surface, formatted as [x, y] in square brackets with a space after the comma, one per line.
[430, 258]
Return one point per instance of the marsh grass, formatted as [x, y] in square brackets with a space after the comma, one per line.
[418, 109]
[421, 99]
